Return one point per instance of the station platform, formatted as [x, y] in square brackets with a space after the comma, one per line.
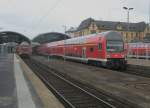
[139, 62]
[21, 88]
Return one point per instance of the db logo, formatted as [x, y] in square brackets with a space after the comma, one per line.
[115, 55]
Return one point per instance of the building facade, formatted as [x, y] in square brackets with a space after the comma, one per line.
[129, 31]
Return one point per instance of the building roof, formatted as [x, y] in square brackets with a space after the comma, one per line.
[10, 36]
[50, 37]
[71, 29]
[110, 25]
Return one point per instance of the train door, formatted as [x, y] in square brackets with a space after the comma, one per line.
[83, 52]
[100, 51]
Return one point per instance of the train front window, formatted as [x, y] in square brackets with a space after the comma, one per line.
[114, 46]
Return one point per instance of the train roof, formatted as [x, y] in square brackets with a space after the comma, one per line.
[24, 43]
[110, 35]
[11, 36]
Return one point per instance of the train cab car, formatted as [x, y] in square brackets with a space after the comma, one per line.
[24, 49]
[106, 49]
[115, 50]
[42, 49]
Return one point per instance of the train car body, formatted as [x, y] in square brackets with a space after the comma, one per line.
[139, 50]
[106, 49]
[24, 49]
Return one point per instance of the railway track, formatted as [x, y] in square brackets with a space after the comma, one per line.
[74, 94]
[131, 69]
[138, 70]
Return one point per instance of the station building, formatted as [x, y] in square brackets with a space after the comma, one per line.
[47, 38]
[129, 31]
[50, 37]
[9, 40]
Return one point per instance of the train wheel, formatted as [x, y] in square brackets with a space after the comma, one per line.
[123, 67]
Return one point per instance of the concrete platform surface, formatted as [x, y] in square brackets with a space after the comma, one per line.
[141, 62]
[8, 93]
[21, 88]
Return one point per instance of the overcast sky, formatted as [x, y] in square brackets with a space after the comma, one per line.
[32, 17]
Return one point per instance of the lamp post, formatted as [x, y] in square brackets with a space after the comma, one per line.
[149, 14]
[128, 12]
[128, 17]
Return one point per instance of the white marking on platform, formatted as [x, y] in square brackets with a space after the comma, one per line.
[23, 93]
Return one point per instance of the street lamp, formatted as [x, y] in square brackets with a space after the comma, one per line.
[128, 10]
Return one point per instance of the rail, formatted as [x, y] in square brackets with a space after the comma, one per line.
[70, 94]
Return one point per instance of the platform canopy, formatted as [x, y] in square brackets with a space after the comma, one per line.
[50, 37]
[10, 36]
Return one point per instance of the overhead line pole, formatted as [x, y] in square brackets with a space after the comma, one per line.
[65, 28]
[149, 13]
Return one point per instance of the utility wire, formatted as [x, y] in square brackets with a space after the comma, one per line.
[45, 15]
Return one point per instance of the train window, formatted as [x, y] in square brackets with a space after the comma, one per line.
[91, 49]
[99, 46]
[114, 46]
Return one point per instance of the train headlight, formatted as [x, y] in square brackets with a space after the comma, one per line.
[108, 56]
[122, 55]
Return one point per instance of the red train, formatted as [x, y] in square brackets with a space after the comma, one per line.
[103, 49]
[139, 50]
[24, 49]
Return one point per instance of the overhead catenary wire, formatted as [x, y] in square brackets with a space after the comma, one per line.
[36, 25]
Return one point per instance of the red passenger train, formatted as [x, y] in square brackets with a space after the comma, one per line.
[103, 49]
[24, 49]
[139, 50]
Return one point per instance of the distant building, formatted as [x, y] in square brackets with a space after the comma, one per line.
[130, 31]
[10, 39]
[147, 38]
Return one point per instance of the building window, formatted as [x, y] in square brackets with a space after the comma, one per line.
[93, 25]
[83, 33]
[93, 31]
[131, 36]
[121, 33]
[80, 33]
[136, 34]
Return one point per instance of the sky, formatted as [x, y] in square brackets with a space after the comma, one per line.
[32, 17]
